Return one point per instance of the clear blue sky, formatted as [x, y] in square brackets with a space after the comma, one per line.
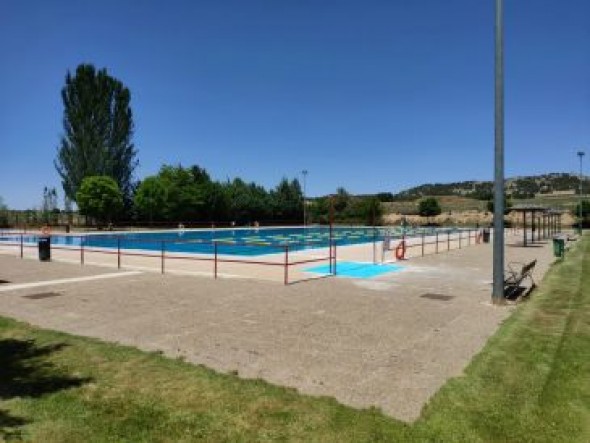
[369, 95]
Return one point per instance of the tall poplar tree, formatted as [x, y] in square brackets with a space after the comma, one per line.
[98, 131]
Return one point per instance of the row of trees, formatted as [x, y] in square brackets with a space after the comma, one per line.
[178, 194]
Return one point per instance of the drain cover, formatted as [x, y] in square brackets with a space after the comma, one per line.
[437, 297]
[42, 295]
[3, 281]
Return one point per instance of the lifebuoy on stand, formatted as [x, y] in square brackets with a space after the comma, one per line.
[400, 250]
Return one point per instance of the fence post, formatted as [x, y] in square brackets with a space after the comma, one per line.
[448, 240]
[422, 243]
[469, 237]
[335, 271]
[331, 255]
[374, 246]
[163, 246]
[215, 266]
[460, 239]
[21, 246]
[287, 264]
[81, 250]
[436, 252]
[118, 252]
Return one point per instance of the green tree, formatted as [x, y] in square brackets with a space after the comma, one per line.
[184, 198]
[429, 207]
[319, 210]
[369, 211]
[99, 197]
[287, 199]
[151, 199]
[49, 209]
[585, 211]
[341, 200]
[247, 201]
[98, 130]
[3, 213]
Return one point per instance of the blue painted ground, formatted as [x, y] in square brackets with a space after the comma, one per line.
[356, 269]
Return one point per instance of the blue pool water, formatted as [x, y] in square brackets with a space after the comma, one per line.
[356, 269]
[227, 241]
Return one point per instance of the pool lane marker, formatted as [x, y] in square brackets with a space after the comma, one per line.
[36, 284]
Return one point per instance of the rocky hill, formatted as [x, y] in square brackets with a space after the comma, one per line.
[516, 187]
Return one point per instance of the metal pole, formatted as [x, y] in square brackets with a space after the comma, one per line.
[118, 252]
[215, 266]
[498, 287]
[436, 249]
[422, 243]
[524, 227]
[163, 245]
[286, 264]
[335, 270]
[81, 250]
[304, 172]
[374, 246]
[21, 246]
[581, 155]
[332, 227]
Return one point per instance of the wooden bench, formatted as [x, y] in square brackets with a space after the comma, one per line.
[515, 275]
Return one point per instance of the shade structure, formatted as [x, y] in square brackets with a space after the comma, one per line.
[545, 222]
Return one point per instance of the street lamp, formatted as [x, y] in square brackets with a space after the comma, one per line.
[581, 155]
[498, 246]
[304, 172]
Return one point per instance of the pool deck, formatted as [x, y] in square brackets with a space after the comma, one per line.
[369, 342]
[263, 267]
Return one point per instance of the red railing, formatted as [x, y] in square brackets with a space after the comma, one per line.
[163, 254]
[473, 236]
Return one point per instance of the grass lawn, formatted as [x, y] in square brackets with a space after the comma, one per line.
[530, 383]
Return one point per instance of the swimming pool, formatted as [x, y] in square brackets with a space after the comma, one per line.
[241, 241]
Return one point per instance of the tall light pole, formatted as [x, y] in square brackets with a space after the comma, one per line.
[498, 280]
[304, 172]
[581, 155]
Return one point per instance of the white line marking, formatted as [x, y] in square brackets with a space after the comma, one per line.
[6, 288]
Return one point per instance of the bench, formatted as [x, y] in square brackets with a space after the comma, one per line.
[516, 274]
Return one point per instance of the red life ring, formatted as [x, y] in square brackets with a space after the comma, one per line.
[400, 250]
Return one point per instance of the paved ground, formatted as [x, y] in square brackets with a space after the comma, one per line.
[371, 342]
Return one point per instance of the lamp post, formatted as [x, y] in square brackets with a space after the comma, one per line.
[498, 248]
[581, 155]
[304, 172]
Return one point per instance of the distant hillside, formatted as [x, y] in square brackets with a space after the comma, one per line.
[517, 187]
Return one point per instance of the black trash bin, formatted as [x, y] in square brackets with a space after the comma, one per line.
[45, 248]
[486, 235]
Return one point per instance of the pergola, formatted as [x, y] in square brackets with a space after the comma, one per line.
[544, 221]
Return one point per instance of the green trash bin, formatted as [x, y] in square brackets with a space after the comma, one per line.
[558, 247]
